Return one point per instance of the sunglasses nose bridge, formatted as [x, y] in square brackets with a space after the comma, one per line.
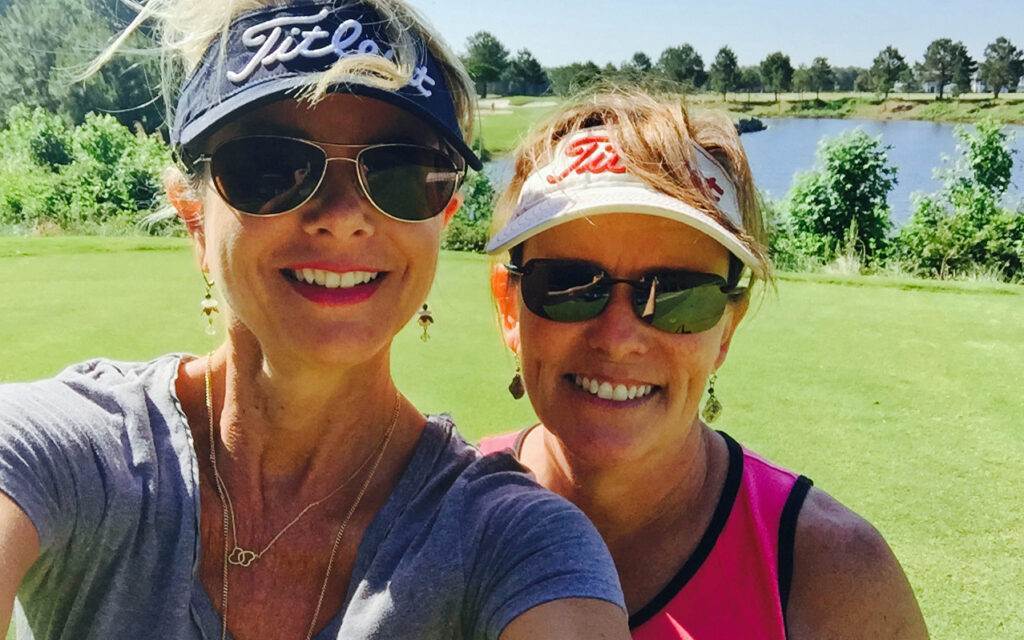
[339, 205]
[615, 332]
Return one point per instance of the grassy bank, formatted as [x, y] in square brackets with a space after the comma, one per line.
[504, 120]
[900, 397]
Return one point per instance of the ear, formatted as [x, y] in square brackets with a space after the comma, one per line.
[506, 297]
[189, 208]
[736, 310]
[453, 207]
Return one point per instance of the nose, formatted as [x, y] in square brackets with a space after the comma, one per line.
[617, 333]
[339, 207]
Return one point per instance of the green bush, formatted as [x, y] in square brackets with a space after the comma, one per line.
[97, 175]
[842, 204]
[469, 229]
[965, 228]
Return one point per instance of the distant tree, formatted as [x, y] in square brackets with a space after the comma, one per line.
[821, 77]
[750, 80]
[964, 67]
[946, 61]
[641, 62]
[802, 80]
[682, 65]
[846, 77]
[1003, 65]
[486, 58]
[525, 75]
[863, 81]
[887, 68]
[574, 77]
[777, 73]
[725, 72]
[45, 45]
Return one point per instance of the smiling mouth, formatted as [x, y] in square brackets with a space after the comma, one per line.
[331, 279]
[616, 392]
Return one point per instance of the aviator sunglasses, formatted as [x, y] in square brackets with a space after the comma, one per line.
[671, 300]
[266, 175]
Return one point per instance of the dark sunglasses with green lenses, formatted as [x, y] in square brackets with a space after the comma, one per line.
[267, 175]
[671, 300]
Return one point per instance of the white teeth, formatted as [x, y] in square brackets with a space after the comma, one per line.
[333, 280]
[608, 391]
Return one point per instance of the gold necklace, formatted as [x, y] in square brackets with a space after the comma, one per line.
[229, 512]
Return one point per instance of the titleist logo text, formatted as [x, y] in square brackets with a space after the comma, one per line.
[284, 39]
[594, 154]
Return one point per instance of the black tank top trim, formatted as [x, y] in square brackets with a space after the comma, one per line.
[787, 537]
[733, 479]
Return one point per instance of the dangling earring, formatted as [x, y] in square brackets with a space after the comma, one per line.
[712, 407]
[516, 387]
[209, 306]
[425, 318]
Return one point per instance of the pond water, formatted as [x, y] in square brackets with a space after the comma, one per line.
[789, 144]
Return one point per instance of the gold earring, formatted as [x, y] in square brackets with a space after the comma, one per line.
[209, 305]
[516, 387]
[425, 318]
[712, 407]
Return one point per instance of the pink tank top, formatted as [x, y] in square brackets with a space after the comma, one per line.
[736, 584]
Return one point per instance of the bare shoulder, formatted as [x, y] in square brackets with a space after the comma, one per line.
[847, 584]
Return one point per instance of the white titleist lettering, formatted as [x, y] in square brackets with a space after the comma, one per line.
[284, 39]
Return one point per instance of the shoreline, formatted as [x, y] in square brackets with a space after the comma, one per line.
[503, 119]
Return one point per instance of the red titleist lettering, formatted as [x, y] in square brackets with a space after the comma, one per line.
[716, 190]
[593, 154]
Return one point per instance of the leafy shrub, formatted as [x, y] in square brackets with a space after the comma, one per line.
[469, 229]
[964, 227]
[847, 191]
[99, 174]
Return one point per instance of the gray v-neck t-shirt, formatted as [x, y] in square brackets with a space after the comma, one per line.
[101, 460]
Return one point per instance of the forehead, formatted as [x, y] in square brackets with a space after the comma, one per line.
[627, 243]
[340, 118]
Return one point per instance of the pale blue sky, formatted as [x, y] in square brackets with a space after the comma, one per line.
[847, 33]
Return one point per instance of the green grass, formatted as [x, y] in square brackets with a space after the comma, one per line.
[900, 397]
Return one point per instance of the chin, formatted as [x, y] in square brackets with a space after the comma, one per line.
[601, 443]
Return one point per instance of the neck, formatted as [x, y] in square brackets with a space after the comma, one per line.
[627, 499]
[294, 428]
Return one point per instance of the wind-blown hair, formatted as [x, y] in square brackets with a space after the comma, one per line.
[654, 137]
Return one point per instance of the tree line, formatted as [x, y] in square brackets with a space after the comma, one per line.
[46, 44]
[945, 64]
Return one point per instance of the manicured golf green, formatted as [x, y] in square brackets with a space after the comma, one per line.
[901, 398]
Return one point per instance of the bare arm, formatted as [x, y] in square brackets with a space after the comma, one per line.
[571, 619]
[19, 548]
[847, 584]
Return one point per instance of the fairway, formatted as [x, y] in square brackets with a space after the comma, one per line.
[901, 398]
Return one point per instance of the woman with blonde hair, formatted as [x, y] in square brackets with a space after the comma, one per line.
[632, 238]
[281, 486]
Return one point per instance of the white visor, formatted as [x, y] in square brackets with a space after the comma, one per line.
[585, 179]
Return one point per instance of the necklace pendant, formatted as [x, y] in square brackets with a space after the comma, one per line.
[242, 557]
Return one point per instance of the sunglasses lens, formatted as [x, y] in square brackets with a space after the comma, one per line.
[408, 182]
[564, 291]
[681, 305]
[266, 175]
